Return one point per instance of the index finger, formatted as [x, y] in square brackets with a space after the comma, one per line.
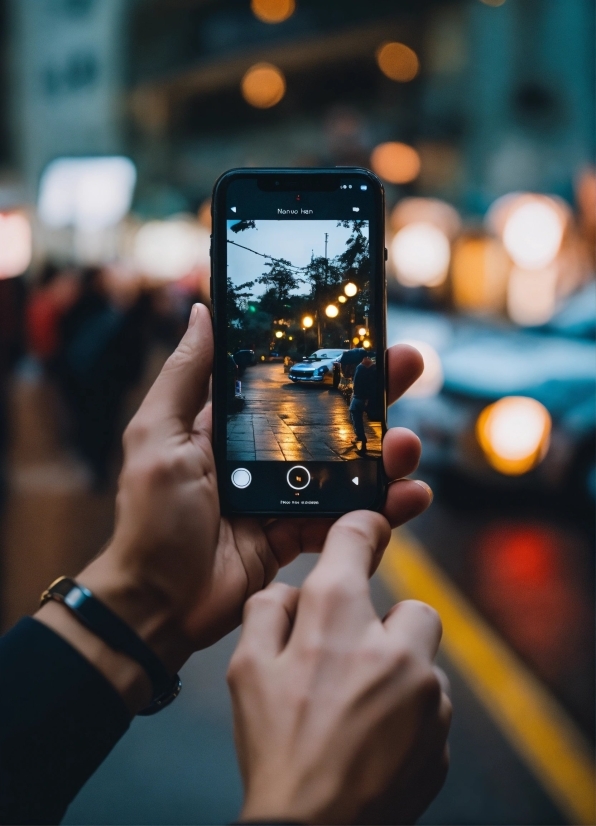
[353, 546]
[404, 366]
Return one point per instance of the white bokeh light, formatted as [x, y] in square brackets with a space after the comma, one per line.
[533, 234]
[532, 296]
[15, 244]
[420, 253]
[169, 250]
[87, 193]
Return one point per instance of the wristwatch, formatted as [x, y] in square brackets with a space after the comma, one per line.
[108, 626]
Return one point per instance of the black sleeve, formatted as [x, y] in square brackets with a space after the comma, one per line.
[59, 719]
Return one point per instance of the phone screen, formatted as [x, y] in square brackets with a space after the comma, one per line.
[299, 315]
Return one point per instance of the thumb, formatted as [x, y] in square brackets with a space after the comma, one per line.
[182, 387]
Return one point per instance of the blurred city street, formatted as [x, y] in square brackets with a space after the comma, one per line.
[478, 116]
[285, 421]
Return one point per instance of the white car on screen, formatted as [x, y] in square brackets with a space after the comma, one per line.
[317, 368]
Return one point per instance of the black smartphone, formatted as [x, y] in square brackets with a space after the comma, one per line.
[298, 292]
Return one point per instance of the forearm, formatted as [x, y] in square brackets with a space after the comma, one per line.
[60, 719]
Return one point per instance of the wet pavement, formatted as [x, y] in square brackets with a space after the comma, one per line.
[288, 422]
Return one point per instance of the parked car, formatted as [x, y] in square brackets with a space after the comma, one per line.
[244, 359]
[317, 368]
[481, 364]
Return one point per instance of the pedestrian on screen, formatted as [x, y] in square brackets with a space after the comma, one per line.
[364, 391]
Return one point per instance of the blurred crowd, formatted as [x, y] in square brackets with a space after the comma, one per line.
[87, 332]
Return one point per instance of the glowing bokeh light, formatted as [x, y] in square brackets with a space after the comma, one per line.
[533, 234]
[366, 343]
[362, 331]
[427, 210]
[169, 250]
[331, 311]
[532, 295]
[395, 162]
[356, 341]
[204, 214]
[431, 380]
[15, 244]
[87, 193]
[279, 334]
[479, 274]
[307, 321]
[273, 11]
[398, 62]
[350, 289]
[263, 85]
[342, 299]
[514, 434]
[420, 253]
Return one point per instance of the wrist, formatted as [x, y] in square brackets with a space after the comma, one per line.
[141, 605]
[268, 804]
[125, 674]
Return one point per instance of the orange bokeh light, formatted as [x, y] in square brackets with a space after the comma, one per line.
[204, 214]
[273, 11]
[398, 62]
[263, 85]
[395, 162]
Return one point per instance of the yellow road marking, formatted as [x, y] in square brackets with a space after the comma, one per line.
[536, 725]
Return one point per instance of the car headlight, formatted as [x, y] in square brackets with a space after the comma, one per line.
[319, 371]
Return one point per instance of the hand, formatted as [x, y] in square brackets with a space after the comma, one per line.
[332, 706]
[175, 570]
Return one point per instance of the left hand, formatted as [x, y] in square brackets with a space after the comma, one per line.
[177, 571]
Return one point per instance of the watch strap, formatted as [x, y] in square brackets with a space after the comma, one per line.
[109, 627]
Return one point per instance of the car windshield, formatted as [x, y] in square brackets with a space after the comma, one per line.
[318, 355]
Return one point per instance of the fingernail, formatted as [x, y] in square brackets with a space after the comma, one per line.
[193, 315]
[426, 487]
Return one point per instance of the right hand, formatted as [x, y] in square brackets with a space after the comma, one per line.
[334, 707]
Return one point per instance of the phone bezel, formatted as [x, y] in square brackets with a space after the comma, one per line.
[218, 299]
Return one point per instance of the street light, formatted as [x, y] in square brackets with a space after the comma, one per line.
[307, 321]
[331, 311]
[350, 289]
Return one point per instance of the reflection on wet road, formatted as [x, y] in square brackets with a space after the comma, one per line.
[283, 421]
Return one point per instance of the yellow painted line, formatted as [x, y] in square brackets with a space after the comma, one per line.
[532, 720]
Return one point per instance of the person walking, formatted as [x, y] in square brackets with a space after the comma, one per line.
[364, 390]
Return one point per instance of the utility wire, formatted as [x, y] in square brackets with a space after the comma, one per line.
[269, 257]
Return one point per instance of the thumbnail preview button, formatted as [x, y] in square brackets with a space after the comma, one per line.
[298, 477]
[241, 477]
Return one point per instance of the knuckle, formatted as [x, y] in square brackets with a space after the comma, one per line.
[429, 688]
[137, 433]
[181, 356]
[329, 590]
[241, 665]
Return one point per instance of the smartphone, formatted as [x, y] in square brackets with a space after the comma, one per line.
[299, 297]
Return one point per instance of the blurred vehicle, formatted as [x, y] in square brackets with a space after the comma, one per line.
[274, 356]
[319, 367]
[234, 387]
[244, 359]
[542, 385]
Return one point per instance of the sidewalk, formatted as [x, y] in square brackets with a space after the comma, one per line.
[285, 422]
